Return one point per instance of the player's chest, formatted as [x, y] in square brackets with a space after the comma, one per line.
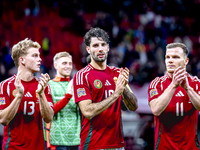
[58, 88]
[180, 104]
[101, 82]
[30, 101]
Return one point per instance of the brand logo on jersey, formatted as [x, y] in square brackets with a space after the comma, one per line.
[81, 92]
[97, 84]
[153, 92]
[107, 83]
[179, 94]
[2, 101]
[28, 94]
[14, 92]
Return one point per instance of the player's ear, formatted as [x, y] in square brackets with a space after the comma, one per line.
[88, 49]
[55, 65]
[22, 60]
[186, 61]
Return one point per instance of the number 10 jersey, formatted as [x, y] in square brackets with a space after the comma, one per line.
[104, 130]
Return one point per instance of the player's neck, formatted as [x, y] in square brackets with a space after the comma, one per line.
[99, 65]
[170, 74]
[26, 75]
[62, 76]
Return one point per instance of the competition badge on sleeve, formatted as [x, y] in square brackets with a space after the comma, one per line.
[153, 92]
[81, 92]
[2, 101]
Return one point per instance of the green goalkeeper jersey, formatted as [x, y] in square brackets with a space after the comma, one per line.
[66, 124]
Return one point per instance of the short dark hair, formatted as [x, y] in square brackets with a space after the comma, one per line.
[181, 45]
[95, 32]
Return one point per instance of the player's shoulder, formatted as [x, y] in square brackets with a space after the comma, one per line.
[193, 78]
[113, 68]
[85, 70]
[8, 80]
[157, 80]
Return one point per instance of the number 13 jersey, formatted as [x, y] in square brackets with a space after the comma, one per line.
[176, 127]
[104, 130]
[25, 131]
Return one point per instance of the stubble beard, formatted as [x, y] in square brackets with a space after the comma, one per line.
[96, 59]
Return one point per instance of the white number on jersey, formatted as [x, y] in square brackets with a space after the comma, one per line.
[32, 107]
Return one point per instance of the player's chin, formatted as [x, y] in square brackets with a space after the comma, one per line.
[170, 70]
[36, 70]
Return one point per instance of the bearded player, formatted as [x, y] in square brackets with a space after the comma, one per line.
[98, 90]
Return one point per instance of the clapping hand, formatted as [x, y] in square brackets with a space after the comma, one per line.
[122, 80]
[43, 83]
[18, 84]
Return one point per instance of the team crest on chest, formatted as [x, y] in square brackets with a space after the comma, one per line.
[14, 92]
[98, 84]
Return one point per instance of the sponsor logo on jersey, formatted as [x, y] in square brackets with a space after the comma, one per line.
[2, 101]
[97, 84]
[81, 92]
[14, 92]
[153, 92]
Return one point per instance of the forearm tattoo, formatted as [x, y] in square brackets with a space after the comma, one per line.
[129, 99]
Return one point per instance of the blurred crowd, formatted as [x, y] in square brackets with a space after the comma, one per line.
[139, 31]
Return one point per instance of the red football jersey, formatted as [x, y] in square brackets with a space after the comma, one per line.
[104, 130]
[176, 127]
[25, 131]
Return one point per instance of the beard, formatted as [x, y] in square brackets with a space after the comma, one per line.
[95, 58]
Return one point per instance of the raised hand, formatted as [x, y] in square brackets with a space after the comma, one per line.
[43, 83]
[18, 84]
[179, 76]
[185, 83]
[122, 80]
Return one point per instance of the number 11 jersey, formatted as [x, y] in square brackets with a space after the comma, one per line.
[176, 127]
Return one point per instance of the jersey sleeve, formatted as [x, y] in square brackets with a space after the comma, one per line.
[195, 83]
[4, 97]
[154, 89]
[81, 88]
[49, 96]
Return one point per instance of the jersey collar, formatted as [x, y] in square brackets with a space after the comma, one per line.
[58, 79]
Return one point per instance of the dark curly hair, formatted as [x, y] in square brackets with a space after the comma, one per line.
[95, 32]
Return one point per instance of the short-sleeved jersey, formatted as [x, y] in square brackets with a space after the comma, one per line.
[25, 131]
[104, 130]
[176, 127]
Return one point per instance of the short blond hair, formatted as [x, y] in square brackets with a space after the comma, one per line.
[60, 55]
[21, 48]
[181, 45]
